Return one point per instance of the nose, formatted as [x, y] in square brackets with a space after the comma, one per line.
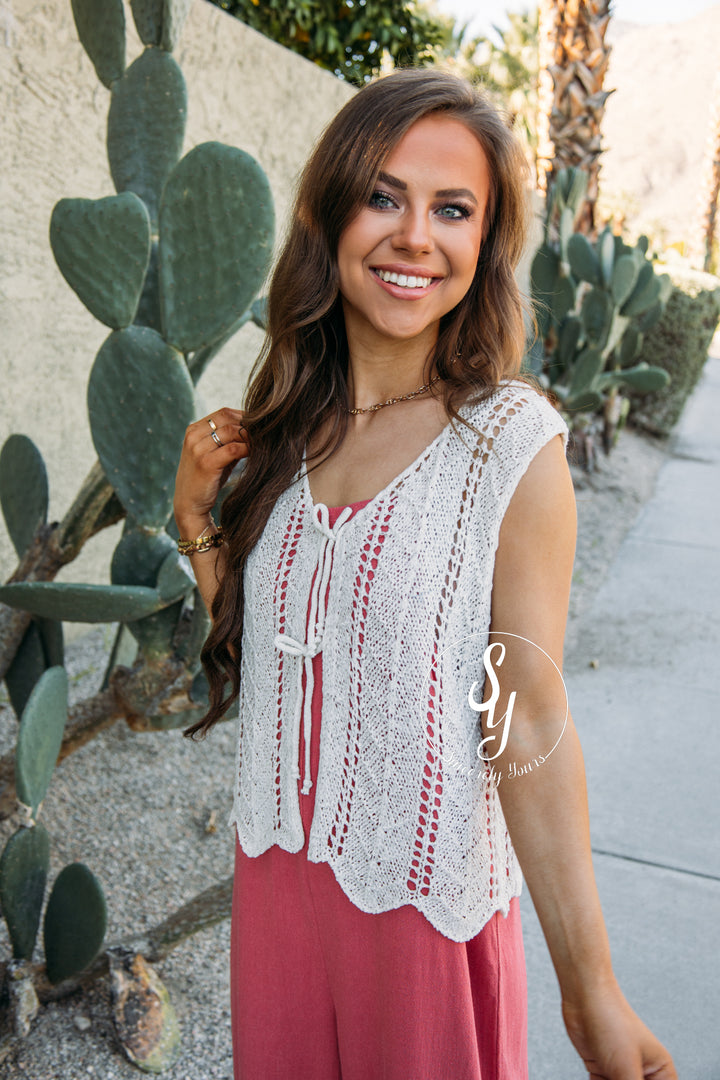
[413, 232]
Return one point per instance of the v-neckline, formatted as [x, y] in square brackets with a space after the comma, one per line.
[442, 434]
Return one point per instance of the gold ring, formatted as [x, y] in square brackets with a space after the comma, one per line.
[215, 437]
[212, 424]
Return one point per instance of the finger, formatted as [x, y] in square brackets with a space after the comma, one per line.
[198, 429]
[222, 457]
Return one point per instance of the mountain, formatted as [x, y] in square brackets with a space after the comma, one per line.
[656, 122]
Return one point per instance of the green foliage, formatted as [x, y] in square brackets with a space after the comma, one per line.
[40, 737]
[102, 247]
[678, 343]
[23, 490]
[75, 922]
[23, 872]
[349, 38]
[594, 302]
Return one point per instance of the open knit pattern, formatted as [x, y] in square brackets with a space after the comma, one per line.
[405, 811]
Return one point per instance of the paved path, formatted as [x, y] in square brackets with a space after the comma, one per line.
[649, 723]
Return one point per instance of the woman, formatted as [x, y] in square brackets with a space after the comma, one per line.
[404, 503]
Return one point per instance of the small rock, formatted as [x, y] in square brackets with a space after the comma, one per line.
[594, 664]
[145, 1019]
[82, 1023]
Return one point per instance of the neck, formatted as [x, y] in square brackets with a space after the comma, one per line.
[399, 368]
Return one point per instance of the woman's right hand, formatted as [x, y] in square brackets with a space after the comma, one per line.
[205, 466]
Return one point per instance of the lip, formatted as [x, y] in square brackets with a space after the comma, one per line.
[401, 292]
[410, 271]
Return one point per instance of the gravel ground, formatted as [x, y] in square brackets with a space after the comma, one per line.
[134, 808]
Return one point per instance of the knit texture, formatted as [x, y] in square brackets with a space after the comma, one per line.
[405, 812]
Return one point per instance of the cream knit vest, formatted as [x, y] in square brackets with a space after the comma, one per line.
[403, 813]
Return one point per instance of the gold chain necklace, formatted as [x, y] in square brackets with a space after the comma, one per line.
[393, 401]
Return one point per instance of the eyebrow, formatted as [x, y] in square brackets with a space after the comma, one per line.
[443, 193]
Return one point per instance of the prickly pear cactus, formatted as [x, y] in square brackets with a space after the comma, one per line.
[39, 738]
[172, 264]
[140, 401]
[75, 922]
[102, 247]
[23, 872]
[593, 301]
[23, 490]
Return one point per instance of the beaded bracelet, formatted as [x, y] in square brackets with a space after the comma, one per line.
[202, 542]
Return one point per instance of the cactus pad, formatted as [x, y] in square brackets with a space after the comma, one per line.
[23, 873]
[140, 401]
[586, 369]
[146, 559]
[102, 247]
[23, 490]
[642, 377]
[596, 312]
[26, 668]
[101, 28]
[146, 126]
[160, 22]
[40, 737]
[583, 259]
[82, 603]
[216, 236]
[75, 922]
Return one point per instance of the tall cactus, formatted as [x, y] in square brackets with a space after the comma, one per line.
[593, 303]
[171, 264]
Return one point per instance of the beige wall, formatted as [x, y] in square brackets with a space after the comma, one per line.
[242, 89]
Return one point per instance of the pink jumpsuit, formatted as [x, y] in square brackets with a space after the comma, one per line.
[321, 990]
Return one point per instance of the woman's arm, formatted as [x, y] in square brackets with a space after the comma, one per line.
[204, 467]
[546, 807]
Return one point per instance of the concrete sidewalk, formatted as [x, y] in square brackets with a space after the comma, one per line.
[648, 719]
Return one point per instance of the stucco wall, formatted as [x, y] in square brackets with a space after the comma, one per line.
[242, 89]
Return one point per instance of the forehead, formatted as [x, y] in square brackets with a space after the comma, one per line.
[440, 148]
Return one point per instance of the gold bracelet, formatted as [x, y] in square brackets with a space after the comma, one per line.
[202, 542]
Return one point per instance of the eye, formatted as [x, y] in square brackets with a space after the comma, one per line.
[455, 211]
[380, 200]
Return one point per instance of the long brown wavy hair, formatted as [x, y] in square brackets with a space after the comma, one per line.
[299, 380]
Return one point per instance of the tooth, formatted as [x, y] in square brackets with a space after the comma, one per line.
[402, 279]
[412, 282]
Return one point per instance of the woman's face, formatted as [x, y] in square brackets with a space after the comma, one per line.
[409, 256]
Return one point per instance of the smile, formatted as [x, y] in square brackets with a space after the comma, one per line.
[405, 281]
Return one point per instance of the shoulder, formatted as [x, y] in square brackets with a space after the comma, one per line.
[516, 420]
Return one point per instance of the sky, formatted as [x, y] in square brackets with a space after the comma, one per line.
[483, 13]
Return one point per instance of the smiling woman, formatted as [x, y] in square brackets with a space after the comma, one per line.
[404, 499]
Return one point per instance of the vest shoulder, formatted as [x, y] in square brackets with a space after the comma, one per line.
[514, 406]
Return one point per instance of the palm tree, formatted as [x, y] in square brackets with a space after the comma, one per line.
[573, 58]
[710, 190]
